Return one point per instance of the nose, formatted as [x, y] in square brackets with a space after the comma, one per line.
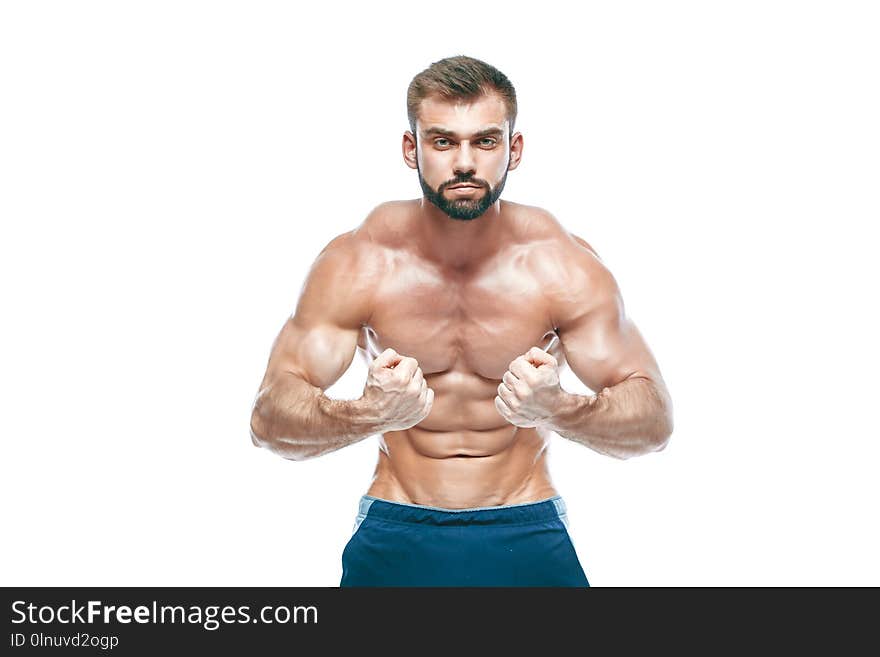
[464, 160]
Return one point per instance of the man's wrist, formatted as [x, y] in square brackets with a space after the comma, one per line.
[354, 414]
[364, 416]
[571, 411]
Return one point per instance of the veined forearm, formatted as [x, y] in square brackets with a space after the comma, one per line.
[631, 418]
[298, 421]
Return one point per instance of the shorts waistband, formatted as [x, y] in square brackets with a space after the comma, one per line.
[552, 508]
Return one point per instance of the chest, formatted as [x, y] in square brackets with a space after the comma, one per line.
[469, 323]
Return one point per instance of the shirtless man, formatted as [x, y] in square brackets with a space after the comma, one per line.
[465, 307]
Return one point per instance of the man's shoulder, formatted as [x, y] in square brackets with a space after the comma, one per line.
[368, 237]
[568, 268]
[345, 274]
[545, 236]
[382, 225]
[361, 253]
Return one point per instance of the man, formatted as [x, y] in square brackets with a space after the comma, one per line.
[465, 307]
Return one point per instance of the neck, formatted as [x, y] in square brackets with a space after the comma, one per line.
[457, 243]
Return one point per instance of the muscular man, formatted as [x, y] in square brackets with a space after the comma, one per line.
[465, 307]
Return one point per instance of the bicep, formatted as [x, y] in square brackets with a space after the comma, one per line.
[601, 344]
[320, 354]
[319, 341]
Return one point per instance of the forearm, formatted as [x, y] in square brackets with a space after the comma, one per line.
[631, 418]
[297, 420]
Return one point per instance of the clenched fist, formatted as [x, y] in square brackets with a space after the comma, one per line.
[396, 392]
[529, 393]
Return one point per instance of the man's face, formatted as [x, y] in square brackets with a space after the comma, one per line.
[463, 142]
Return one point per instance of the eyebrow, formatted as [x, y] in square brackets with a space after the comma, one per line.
[495, 132]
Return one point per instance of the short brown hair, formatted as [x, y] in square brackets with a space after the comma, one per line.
[459, 77]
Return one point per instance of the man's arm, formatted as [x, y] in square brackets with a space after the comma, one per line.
[632, 412]
[291, 415]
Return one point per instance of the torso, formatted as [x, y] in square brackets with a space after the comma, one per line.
[464, 327]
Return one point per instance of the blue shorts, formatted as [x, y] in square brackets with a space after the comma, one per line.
[396, 544]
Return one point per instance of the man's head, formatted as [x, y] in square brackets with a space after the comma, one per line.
[461, 114]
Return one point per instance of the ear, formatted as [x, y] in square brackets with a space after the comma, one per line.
[516, 147]
[410, 157]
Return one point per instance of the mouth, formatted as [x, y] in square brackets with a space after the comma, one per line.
[464, 187]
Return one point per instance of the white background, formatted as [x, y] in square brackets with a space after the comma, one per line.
[169, 171]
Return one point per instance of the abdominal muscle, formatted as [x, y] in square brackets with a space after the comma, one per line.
[463, 454]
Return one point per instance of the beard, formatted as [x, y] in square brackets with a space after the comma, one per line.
[462, 209]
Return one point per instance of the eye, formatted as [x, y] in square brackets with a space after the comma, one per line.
[487, 141]
[441, 142]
